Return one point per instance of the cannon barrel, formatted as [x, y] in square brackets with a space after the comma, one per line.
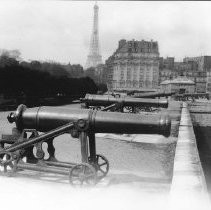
[132, 92]
[196, 94]
[47, 118]
[154, 95]
[106, 100]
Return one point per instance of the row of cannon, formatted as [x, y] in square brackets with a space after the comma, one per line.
[191, 96]
[99, 114]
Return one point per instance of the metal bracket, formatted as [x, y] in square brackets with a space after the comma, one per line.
[81, 125]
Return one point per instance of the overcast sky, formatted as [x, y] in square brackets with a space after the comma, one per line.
[61, 30]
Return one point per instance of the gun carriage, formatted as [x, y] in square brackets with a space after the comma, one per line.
[191, 96]
[126, 104]
[34, 126]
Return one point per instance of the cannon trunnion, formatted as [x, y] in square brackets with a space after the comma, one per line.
[81, 124]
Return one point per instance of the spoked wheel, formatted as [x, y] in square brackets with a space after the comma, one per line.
[137, 110]
[7, 162]
[141, 109]
[148, 109]
[101, 165]
[83, 174]
[129, 109]
[154, 110]
[98, 108]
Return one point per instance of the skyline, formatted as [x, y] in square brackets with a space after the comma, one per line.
[61, 30]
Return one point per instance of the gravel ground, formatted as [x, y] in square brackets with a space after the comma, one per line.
[147, 166]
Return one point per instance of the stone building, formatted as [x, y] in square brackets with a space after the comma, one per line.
[166, 63]
[166, 67]
[203, 74]
[189, 68]
[100, 72]
[179, 85]
[134, 65]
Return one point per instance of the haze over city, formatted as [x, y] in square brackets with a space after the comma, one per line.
[61, 30]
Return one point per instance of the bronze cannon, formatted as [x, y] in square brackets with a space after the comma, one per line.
[131, 104]
[47, 118]
[80, 123]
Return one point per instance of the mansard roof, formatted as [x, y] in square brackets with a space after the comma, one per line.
[179, 80]
[166, 82]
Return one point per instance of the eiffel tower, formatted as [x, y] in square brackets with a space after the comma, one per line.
[94, 58]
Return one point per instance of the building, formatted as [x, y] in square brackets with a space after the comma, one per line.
[179, 85]
[167, 69]
[100, 72]
[134, 65]
[166, 63]
[189, 68]
[203, 75]
[166, 66]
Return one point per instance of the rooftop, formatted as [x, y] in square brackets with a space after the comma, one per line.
[178, 80]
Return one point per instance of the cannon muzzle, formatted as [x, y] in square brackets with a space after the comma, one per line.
[106, 100]
[47, 118]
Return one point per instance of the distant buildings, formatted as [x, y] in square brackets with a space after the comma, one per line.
[179, 85]
[134, 65]
[197, 69]
[203, 76]
[169, 69]
[166, 69]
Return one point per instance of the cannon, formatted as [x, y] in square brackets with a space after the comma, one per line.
[128, 103]
[81, 124]
[132, 92]
[154, 95]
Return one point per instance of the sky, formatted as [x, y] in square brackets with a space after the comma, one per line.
[60, 30]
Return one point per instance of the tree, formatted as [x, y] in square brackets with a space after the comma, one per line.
[75, 70]
[7, 61]
[90, 72]
[35, 81]
[35, 65]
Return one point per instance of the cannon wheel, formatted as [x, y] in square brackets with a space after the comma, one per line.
[129, 109]
[98, 108]
[7, 162]
[101, 165]
[83, 174]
